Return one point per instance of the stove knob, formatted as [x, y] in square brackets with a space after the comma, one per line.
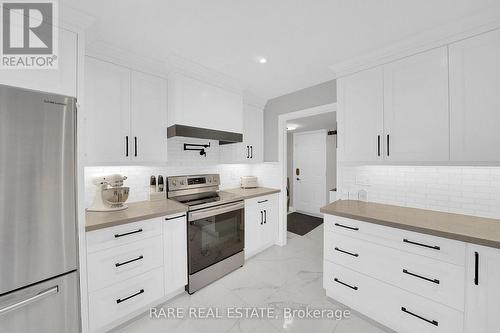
[209, 180]
[182, 182]
[174, 182]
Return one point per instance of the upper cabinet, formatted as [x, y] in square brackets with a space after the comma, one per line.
[198, 104]
[125, 115]
[251, 150]
[474, 98]
[360, 104]
[58, 81]
[416, 107]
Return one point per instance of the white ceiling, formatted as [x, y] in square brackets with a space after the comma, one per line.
[300, 38]
[313, 123]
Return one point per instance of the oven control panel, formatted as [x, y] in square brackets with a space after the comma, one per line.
[195, 181]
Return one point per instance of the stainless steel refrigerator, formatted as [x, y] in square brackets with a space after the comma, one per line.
[38, 231]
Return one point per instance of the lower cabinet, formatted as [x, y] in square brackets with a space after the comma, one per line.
[261, 223]
[482, 290]
[134, 266]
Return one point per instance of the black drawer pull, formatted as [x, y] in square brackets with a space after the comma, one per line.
[433, 322]
[346, 252]
[476, 268]
[173, 218]
[434, 247]
[118, 264]
[262, 201]
[346, 226]
[118, 301]
[378, 145]
[436, 281]
[128, 233]
[345, 284]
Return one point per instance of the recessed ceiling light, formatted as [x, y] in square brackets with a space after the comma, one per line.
[262, 60]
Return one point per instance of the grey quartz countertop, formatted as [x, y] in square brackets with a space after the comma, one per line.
[137, 211]
[470, 229]
[248, 193]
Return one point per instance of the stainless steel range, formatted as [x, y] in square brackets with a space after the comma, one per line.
[216, 222]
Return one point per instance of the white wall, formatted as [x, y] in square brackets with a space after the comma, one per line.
[463, 190]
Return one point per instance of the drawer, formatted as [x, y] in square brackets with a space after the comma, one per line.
[439, 248]
[124, 298]
[262, 201]
[395, 308]
[116, 264]
[122, 234]
[440, 281]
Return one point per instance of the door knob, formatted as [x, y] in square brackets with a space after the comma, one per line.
[298, 178]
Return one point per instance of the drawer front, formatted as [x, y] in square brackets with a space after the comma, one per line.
[122, 234]
[395, 308]
[117, 264]
[440, 281]
[425, 245]
[124, 298]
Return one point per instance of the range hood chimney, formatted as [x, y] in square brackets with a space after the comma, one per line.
[204, 133]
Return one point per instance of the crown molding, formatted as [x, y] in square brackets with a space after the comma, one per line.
[74, 20]
[251, 99]
[441, 36]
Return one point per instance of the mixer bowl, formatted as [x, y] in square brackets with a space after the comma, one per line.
[115, 197]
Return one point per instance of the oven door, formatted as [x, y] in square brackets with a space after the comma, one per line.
[215, 234]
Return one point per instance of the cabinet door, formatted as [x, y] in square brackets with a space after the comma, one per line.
[416, 111]
[482, 290]
[175, 253]
[107, 113]
[148, 118]
[360, 102]
[253, 122]
[253, 228]
[270, 231]
[474, 102]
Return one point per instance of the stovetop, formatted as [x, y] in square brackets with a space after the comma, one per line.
[210, 200]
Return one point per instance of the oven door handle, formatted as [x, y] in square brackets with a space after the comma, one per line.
[203, 213]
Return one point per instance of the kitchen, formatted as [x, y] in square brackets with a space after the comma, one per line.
[143, 168]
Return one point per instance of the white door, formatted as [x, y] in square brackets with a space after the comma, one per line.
[416, 115]
[309, 159]
[482, 287]
[253, 122]
[175, 253]
[475, 106]
[107, 113]
[253, 228]
[360, 103]
[148, 118]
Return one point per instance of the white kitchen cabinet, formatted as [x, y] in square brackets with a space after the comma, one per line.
[482, 289]
[58, 81]
[474, 102]
[149, 117]
[199, 104]
[360, 103]
[261, 223]
[175, 253]
[107, 113]
[416, 111]
[125, 115]
[251, 150]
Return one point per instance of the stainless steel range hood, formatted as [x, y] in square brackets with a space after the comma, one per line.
[204, 133]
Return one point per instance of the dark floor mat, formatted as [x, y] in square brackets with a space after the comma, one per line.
[301, 224]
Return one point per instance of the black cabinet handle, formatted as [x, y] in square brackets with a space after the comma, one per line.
[378, 145]
[388, 144]
[265, 216]
[173, 218]
[248, 151]
[118, 264]
[261, 217]
[434, 247]
[118, 301]
[262, 201]
[251, 151]
[347, 227]
[128, 233]
[346, 252]
[345, 284]
[433, 322]
[126, 146]
[135, 145]
[436, 281]
[476, 268]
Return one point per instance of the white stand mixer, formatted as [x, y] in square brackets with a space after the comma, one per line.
[110, 194]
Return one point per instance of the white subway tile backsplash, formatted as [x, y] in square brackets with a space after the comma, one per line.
[463, 190]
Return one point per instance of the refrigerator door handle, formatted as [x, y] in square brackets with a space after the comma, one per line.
[29, 300]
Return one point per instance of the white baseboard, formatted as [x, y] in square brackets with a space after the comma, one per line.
[291, 209]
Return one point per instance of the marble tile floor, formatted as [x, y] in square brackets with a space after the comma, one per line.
[278, 278]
